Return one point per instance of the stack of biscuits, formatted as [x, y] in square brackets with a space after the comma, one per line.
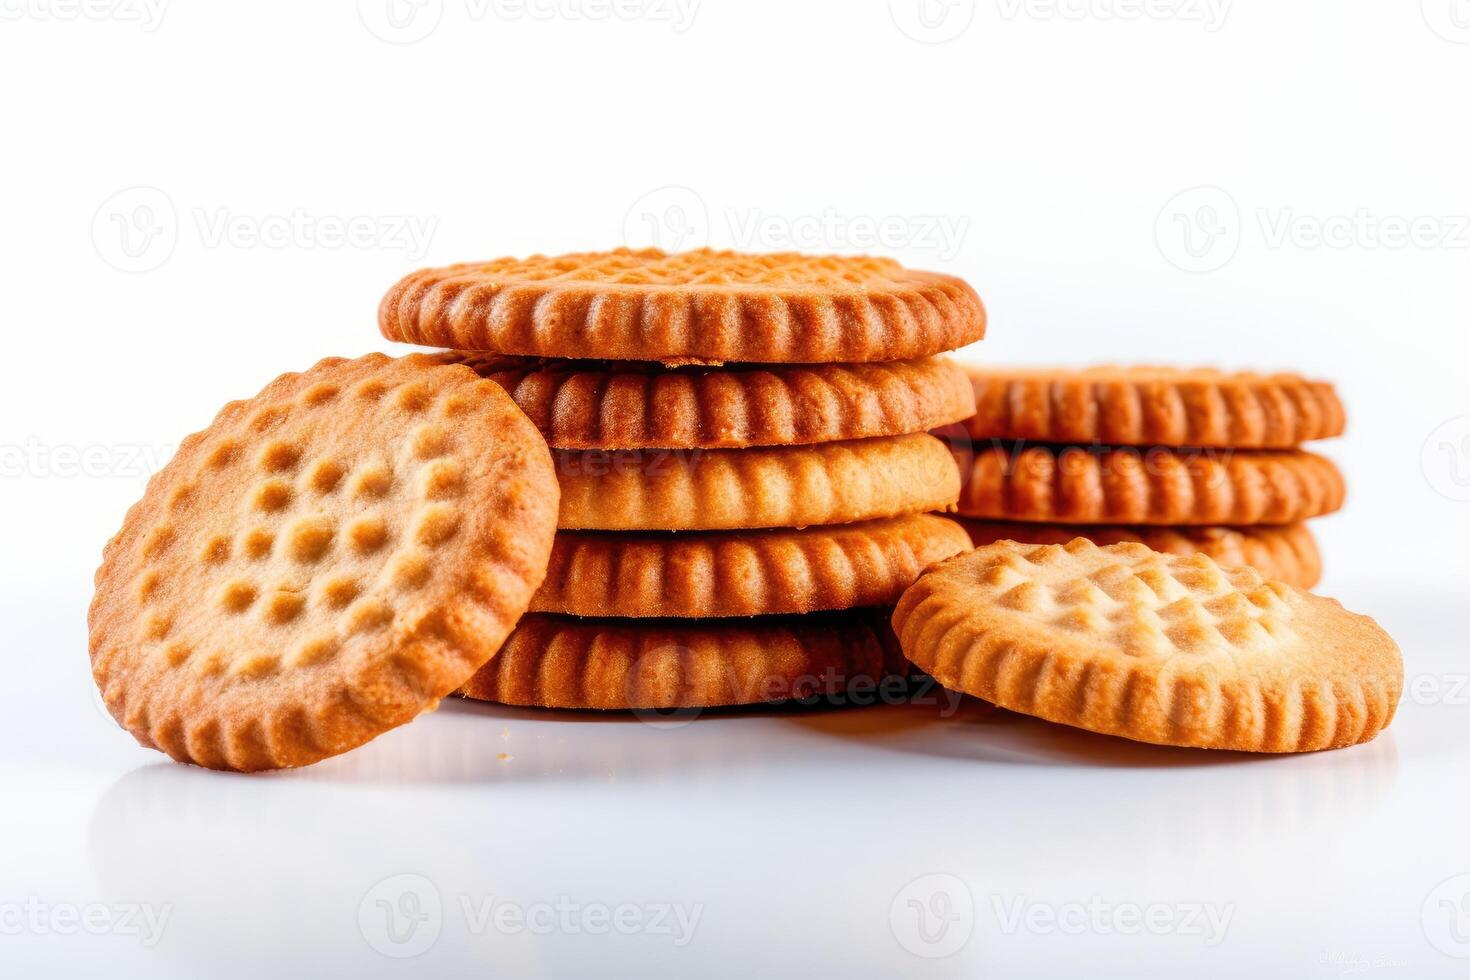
[1183, 461]
[743, 451]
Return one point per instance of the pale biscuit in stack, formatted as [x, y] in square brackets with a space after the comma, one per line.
[730, 533]
[1180, 460]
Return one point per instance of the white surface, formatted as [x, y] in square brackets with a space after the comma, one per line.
[1051, 150]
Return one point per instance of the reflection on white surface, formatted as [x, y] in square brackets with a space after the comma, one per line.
[892, 840]
[477, 820]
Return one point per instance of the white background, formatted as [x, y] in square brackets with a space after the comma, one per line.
[173, 177]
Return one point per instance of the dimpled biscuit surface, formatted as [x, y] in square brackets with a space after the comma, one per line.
[700, 306]
[324, 562]
[1158, 648]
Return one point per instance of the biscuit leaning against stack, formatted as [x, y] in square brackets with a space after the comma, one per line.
[1183, 461]
[742, 448]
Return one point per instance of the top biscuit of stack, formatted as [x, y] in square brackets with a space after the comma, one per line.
[702, 306]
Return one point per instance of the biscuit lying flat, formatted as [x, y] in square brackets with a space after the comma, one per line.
[1153, 406]
[324, 562]
[637, 405]
[1126, 641]
[743, 573]
[725, 489]
[1073, 485]
[560, 662]
[702, 306]
[1284, 553]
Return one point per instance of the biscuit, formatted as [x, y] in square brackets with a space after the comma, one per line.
[727, 489]
[1283, 553]
[324, 562]
[690, 307]
[1154, 406]
[743, 573]
[637, 405]
[1157, 648]
[561, 662]
[1076, 485]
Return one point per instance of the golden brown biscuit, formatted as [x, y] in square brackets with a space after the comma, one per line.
[1157, 648]
[638, 405]
[1075, 485]
[702, 306]
[1153, 406]
[324, 562]
[1283, 553]
[743, 573]
[728, 489]
[562, 662]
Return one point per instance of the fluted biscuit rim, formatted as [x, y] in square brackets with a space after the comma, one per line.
[1309, 675]
[844, 309]
[1285, 553]
[554, 661]
[1143, 406]
[717, 574]
[631, 405]
[759, 487]
[439, 575]
[1157, 485]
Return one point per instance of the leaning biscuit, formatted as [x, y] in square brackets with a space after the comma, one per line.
[743, 573]
[637, 405]
[1285, 553]
[701, 306]
[1153, 406]
[559, 662]
[324, 562]
[1157, 648]
[1076, 485]
[727, 489]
